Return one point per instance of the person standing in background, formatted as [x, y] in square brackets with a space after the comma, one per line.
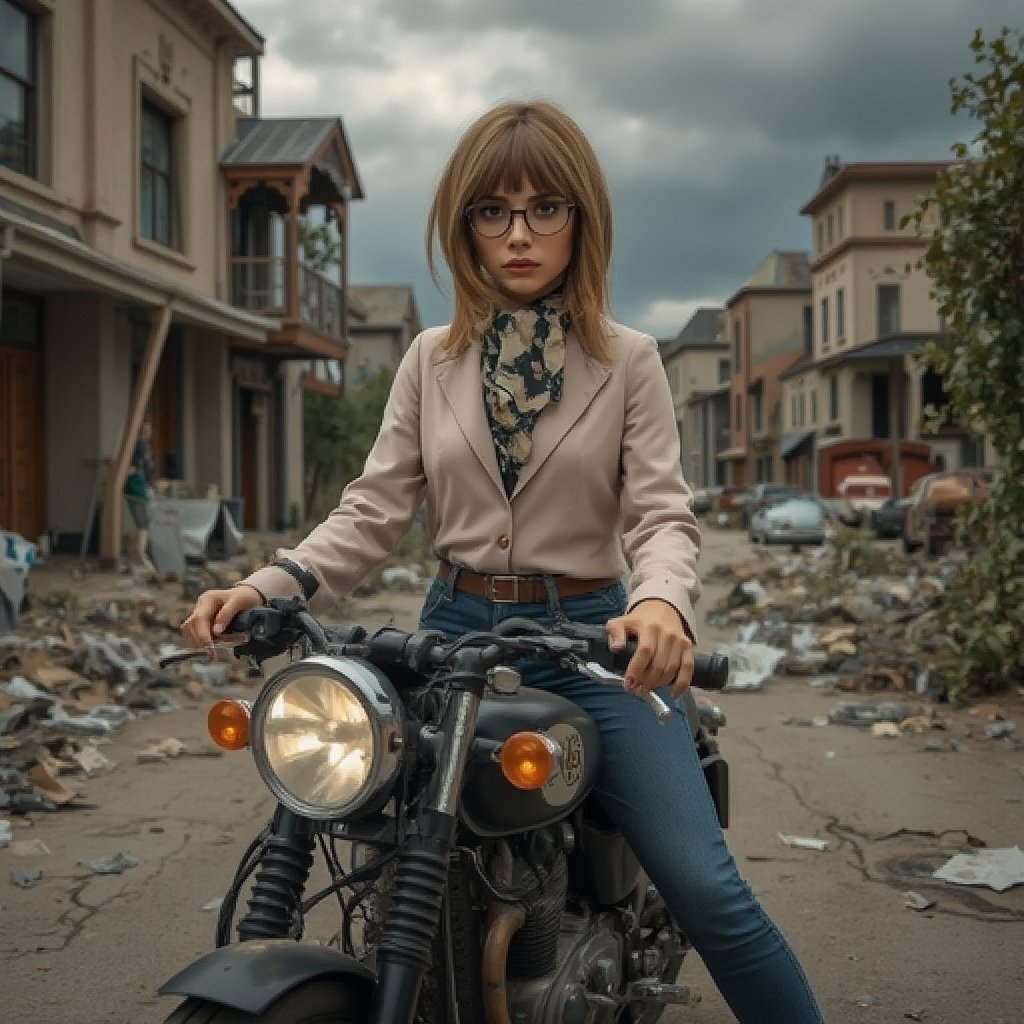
[139, 488]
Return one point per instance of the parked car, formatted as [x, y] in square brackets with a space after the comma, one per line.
[842, 512]
[865, 492]
[934, 503]
[790, 519]
[761, 496]
[731, 499]
[887, 521]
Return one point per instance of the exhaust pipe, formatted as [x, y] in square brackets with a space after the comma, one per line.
[503, 921]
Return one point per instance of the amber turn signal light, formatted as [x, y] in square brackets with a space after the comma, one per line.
[528, 759]
[228, 724]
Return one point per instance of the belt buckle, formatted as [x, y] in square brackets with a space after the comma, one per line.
[492, 596]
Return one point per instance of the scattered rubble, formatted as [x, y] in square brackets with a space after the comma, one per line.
[83, 661]
[849, 625]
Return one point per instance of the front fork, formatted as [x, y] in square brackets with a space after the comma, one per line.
[280, 879]
[404, 952]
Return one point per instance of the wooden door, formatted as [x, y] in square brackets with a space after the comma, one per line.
[22, 444]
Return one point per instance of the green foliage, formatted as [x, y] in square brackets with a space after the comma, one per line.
[338, 435]
[857, 551]
[975, 258]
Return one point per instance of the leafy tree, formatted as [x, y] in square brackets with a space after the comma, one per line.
[339, 433]
[975, 258]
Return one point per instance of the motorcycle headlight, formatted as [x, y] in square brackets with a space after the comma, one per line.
[326, 735]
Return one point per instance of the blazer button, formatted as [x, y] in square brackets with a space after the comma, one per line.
[503, 541]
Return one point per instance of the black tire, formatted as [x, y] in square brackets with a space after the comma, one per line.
[323, 1001]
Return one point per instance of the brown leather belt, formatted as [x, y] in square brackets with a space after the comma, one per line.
[519, 589]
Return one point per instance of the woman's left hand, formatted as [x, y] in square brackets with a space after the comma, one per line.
[664, 649]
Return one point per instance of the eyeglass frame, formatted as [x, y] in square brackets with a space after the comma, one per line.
[468, 214]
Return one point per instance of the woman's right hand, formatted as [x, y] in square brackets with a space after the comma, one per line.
[214, 611]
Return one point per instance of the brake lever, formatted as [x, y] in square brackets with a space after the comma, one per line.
[592, 670]
[193, 653]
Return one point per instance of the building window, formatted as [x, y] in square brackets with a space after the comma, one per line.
[821, 237]
[814, 408]
[808, 321]
[831, 230]
[793, 418]
[17, 88]
[739, 413]
[839, 221]
[833, 397]
[158, 201]
[840, 314]
[824, 321]
[724, 371]
[888, 309]
[889, 214]
[737, 345]
[803, 409]
[757, 412]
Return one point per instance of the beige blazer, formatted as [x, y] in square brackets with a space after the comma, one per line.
[601, 493]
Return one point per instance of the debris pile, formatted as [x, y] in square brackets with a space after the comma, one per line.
[79, 667]
[851, 626]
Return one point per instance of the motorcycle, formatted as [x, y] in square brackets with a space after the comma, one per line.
[483, 880]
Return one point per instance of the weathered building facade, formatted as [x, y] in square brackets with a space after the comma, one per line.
[872, 309]
[698, 368]
[152, 262]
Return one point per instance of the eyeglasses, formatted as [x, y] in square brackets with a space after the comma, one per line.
[492, 219]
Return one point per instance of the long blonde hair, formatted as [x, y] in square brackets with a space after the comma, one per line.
[513, 141]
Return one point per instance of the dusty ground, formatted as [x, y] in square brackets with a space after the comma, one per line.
[94, 949]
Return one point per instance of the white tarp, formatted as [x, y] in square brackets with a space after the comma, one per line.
[16, 558]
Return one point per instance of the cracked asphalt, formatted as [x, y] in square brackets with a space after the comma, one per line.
[94, 949]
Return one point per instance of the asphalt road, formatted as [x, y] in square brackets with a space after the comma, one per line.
[94, 949]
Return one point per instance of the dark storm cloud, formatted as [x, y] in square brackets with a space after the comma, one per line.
[712, 118]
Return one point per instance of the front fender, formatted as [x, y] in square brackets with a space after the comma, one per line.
[249, 976]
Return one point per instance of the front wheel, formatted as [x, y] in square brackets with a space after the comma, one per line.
[324, 1001]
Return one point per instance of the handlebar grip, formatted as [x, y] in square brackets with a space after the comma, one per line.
[710, 671]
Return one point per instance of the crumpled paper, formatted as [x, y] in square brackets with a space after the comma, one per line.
[998, 869]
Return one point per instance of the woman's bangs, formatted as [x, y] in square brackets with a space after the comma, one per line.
[517, 157]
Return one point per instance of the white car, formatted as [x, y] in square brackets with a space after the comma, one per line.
[802, 519]
[866, 493]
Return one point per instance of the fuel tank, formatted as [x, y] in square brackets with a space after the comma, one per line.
[491, 806]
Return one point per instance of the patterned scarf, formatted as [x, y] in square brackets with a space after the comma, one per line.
[523, 358]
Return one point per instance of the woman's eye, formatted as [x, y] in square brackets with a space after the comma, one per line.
[491, 211]
[547, 208]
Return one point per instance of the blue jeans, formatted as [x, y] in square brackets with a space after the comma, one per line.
[652, 786]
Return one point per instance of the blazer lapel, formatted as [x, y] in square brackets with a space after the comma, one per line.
[461, 383]
[584, 378]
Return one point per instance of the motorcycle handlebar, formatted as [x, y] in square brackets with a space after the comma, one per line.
[272, 629]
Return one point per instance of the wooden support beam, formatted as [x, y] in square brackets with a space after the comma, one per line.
[113, 502]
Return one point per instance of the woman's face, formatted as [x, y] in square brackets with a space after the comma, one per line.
[529, 257]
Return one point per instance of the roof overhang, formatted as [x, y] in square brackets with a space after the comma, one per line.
[71, 262]
[895, 346]
[791, 444]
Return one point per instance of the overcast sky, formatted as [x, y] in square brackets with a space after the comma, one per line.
[712, 117]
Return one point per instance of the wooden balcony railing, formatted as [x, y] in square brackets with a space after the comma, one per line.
[320, 303]
[260, 284]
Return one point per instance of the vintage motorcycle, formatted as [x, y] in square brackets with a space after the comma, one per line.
[482, 882]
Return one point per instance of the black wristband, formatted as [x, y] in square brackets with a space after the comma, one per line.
[306, 580]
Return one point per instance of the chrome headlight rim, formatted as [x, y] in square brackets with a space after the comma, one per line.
[385, 718]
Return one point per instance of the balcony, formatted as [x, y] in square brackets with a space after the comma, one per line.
[261, 285]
